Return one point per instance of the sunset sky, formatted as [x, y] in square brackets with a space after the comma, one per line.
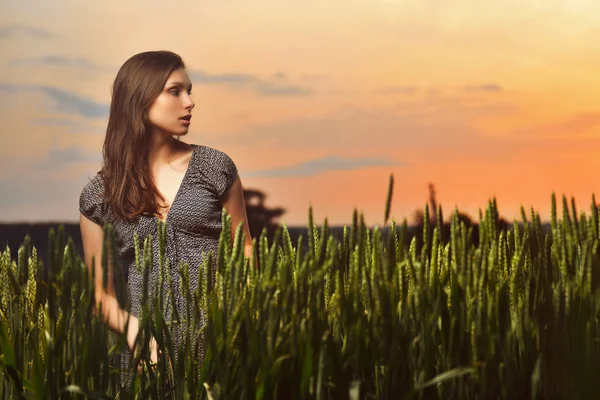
[318, 102]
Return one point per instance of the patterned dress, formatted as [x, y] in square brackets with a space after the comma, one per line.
[193, 226]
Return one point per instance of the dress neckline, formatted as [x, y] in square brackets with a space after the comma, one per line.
[185, 177]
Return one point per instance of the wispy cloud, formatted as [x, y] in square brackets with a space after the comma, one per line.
[59, 158]
[72, 103]
[277, 85]
[272, 89]
[426, 128]
[71, 155]
[321, 165]
[234, 80]
[575, 125]
[42, 194]
[54, 122]
[19, 30]
[30, 190]
[54, 61]
[432, 91]
[9, 88]
[486, 87]
[398, 90]
[64, 101]
[312, 78]
[51, 183]
[76, 126]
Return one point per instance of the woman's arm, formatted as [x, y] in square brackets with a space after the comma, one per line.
[233, 201]
[116, 318]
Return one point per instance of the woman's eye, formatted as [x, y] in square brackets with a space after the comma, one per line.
[189, 93]
[174, 92]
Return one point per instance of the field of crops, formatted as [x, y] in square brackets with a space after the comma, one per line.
[510, 314]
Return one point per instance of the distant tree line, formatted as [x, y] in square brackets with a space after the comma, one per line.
[434, 213]
[260, 217]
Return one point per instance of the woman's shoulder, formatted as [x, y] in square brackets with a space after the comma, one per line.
[214, 158]
[94, 186]
[91, 199]
[209, 152]
[217, 167]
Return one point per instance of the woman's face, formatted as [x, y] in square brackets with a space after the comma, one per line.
[171, 112]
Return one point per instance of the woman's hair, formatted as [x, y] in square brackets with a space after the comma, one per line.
[129, 187]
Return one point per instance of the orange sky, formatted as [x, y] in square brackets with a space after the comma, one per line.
[318, 104]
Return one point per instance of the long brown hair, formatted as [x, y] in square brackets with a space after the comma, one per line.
[128, 184]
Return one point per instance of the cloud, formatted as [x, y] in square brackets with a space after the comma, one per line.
[398, 90]
[312, 78]
[321, 165]
[54, 61]
[275, 89]
[64, 101]
[54, 122]
[47, 186]
[487, 87]
[24, 31]
[9, 88]
[60, 158]
[424, 128]
[573, 126]
[72, 103]
[234, 80]
[435, 91]
[49, 182]
[277, 85]
[410, 128]
[42, 194]
[71, 155]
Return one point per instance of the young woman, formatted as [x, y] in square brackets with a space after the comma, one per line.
[148, 175]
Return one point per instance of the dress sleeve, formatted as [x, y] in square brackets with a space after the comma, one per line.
[223, 171]
[90, 201]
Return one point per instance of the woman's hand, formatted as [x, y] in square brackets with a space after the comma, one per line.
[153, 347]
[153, 352]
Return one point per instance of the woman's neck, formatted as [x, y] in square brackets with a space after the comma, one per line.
[161, 148]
